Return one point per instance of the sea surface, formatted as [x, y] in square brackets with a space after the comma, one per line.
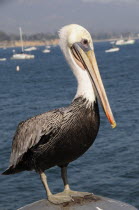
[111, 166]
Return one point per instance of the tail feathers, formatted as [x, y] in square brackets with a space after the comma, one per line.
[15, 169]
[11, 170]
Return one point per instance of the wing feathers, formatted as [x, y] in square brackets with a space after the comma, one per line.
[29, 133]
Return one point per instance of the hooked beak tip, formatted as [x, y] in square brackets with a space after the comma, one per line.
[113, 125]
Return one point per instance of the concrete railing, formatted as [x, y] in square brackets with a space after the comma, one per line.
[90, 202]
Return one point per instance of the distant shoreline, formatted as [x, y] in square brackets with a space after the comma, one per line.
[8, 44]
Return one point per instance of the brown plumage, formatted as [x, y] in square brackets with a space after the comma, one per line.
[54, 138]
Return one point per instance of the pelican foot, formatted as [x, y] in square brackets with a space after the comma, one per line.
[60, 198]
[76, 193]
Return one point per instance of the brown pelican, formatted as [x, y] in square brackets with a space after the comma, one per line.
[57, 137]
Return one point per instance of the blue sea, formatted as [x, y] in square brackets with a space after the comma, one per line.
[110, 167]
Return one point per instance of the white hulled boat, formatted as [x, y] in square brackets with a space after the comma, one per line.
[125, 42]
[3, 59]
[30, 49]
[113, 49]
[46, 51]
[22, 55]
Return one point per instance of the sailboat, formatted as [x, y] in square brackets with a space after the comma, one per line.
[130, 41]
[125, 42]
[22, 55]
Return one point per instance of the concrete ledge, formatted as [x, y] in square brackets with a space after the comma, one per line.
[91, 202]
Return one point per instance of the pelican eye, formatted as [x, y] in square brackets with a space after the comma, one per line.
[85, 45]
[85, 41]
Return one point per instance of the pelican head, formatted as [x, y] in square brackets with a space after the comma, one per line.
[77, 46]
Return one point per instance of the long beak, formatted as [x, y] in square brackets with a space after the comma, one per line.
[88, 61]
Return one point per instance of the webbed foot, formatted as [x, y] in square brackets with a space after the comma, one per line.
[76, 193]
[60, 198]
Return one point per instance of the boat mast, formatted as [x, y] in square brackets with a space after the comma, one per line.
[21, 38]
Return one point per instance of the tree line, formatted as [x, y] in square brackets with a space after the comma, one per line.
[39, 36]
[48, 36]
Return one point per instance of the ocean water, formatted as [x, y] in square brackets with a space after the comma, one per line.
[111, 166]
